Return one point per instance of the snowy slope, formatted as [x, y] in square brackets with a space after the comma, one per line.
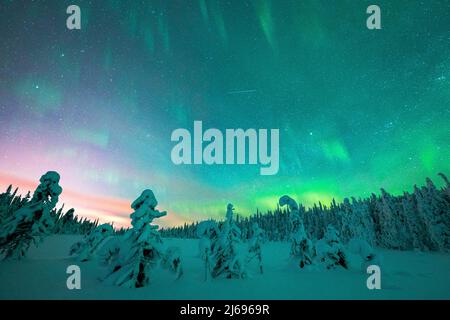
[405, 275]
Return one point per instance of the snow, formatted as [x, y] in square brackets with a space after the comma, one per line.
[91, 243]
[33, 221]
[226, 256]
[404, 275]
[131, 262]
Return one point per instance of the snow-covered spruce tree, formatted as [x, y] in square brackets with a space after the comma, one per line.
[356, 222]
[375, 214]
[330, 251]
[244, 233]
[335, 218]
[446, 188]
[208, 234]
[366, 224]
[445, 195]
[226, 259]
[10, 202]
[86, 249]
[319, 223]
[392, 223]
[348, 219]
[5, 202]
[33, 221]
[171, 260]
[366, 252]
[435, 210]
[66, 224]
[301, 245]
[139, 253]
[254, 245]
[417, 230]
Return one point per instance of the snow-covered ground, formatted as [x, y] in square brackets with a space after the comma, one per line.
[404, 275]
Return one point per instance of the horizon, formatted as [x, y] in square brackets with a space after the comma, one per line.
[123, 215]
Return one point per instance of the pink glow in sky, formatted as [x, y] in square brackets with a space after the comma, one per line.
[105, 209]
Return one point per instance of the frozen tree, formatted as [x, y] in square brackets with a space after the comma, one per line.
[131, 264]
[348, 219]
[208, 234]
[366, 226]
[445, 196]
[255, 243]
[446, 189]
[171, 260]
[5, 203]
[417, 230]
[301, 245]
[365, 251]
[226, 259]
[356, 221]
[65, 222]
[87, 248]
[435, 210]
[10, 202]
[109, 253]
[392, 222]
[329, 250]
[30, 223]
[334, 215]
[244, 233]
[410, 221]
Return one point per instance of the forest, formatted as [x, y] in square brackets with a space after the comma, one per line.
[419, 220]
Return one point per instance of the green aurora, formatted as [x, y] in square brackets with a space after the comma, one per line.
[357, 109]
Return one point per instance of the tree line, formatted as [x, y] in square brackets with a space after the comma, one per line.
[419, 220]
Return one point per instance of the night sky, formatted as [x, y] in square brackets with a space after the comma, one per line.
[357, 109]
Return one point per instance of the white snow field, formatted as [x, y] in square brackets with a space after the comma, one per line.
[404, 275]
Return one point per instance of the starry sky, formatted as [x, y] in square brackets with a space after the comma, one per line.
[357, 109]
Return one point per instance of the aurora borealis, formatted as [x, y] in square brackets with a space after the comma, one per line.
[357, 109]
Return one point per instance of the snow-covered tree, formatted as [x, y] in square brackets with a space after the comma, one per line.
[417, 230]
[208, 234]
[226, 259]
[410, 221]
[348, 219]
[392, 222]
[254, 245]
[171, 260]
[244, 233]
[365, 251]
[87, 248]
[435, 210]
[446, 188]
[301, 245]
[366, 229]
[330, 251]
[5, 203]
[30, 223]
[356, 221]
[140, 252]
